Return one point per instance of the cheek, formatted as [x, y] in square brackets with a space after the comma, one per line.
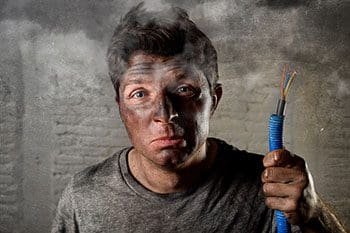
[198, 110]
[134, 118]
[196, 116]
[203, 122]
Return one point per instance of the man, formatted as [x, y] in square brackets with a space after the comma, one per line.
[174, 178]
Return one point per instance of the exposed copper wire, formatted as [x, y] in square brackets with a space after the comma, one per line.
[286, 83]
[282, 81]
[286, 90]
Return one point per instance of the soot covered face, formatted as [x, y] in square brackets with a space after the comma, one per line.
[165, 105]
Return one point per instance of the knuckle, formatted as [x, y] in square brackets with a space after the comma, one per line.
[270, 172]
[264, 175]
[268, 188]
[268, 202]
[276, 153]
[264, 189]
[267, 159]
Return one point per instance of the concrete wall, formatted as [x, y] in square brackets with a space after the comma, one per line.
[58, 115]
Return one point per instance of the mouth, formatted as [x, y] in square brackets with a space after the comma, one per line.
[168, 142]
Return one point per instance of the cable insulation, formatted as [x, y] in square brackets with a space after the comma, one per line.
[275, 143]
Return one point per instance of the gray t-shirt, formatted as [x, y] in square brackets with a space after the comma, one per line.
[107, 198]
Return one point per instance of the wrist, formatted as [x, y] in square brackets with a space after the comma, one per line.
[322, 220]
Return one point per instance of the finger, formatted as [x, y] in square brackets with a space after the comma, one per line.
[282, 204]
[283, 158]
[272, 158]
[284, 175]
[282, 190]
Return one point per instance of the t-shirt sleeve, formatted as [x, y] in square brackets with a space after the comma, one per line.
[65, 219]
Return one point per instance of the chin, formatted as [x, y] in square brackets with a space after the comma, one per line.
[171, 158]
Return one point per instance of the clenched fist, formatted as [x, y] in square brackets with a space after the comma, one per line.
[288, 186]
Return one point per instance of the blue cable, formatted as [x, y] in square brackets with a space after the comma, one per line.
[276, 142]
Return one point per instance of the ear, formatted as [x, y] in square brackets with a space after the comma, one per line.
[216, 97]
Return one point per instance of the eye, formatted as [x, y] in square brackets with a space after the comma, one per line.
[185, 91]
[138, 94]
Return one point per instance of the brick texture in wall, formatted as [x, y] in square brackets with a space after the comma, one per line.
[10, 135]
[84, 134]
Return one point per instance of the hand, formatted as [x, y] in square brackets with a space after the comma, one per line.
[288, 186]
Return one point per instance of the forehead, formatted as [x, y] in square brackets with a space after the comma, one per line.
[146, 65]
[143, 58]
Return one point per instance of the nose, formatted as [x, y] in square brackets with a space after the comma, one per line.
[164, 110]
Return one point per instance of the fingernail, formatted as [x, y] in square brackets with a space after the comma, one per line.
[276, 156]
[266, 173]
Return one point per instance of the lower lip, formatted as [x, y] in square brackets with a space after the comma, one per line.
[162, 143]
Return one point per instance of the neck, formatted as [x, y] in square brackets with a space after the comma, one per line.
[165, 180]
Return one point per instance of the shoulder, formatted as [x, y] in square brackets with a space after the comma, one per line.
[97, 174]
